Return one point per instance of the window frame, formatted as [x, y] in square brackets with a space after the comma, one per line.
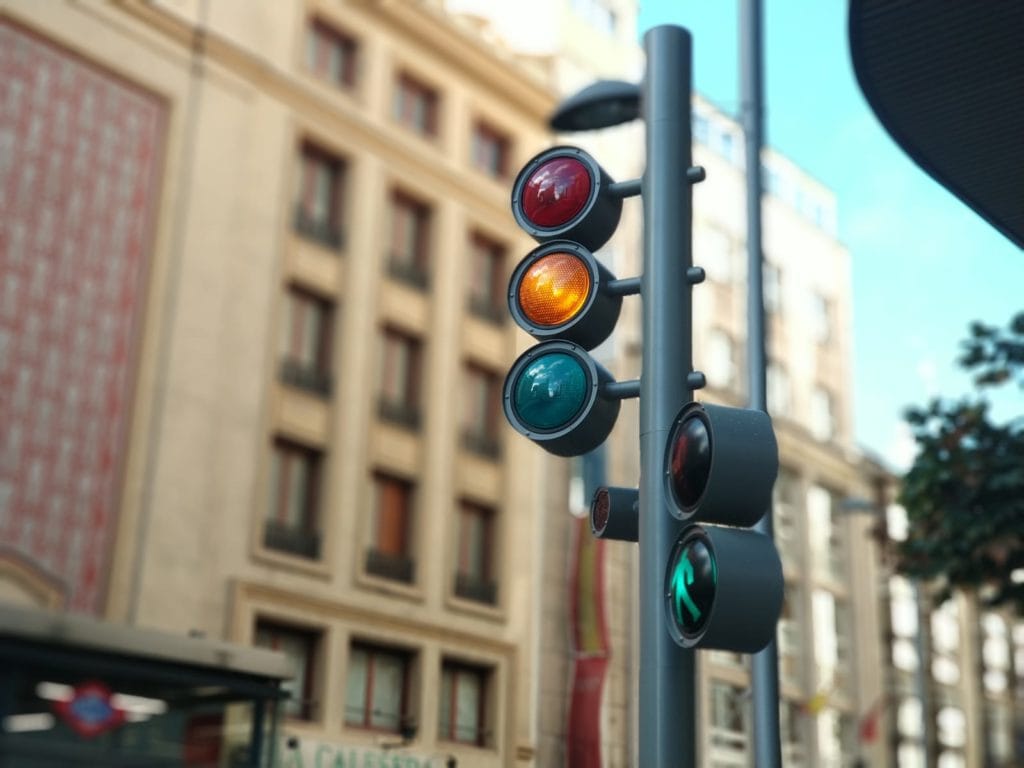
[312, 639]
[374, 651]
[313, 159]
[313, 375]
[277, 521]
[409, 239]
[416, 105]
[483, 677]
[324, 39]
[399, 395]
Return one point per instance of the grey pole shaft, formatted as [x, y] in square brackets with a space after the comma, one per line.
[765, 665]
[667, 730]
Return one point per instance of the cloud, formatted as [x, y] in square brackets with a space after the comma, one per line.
[901, 449]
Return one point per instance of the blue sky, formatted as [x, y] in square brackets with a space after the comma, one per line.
[924, 265]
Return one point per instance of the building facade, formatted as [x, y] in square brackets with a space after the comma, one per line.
[253, 273]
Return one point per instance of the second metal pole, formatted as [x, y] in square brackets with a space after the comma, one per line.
[764, 672]
[667, 711]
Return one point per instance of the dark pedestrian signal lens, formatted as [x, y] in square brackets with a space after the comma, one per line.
[690, 461]
[556, 192]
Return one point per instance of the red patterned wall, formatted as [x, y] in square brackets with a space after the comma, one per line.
[80, 162]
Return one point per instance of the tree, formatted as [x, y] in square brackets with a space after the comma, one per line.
[964, 494]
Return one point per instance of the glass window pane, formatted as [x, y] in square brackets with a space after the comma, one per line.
[388, 685]
[355, 687]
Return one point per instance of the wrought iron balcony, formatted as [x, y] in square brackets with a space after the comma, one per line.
[474, 588]
[324, 232]
[482, 444]
[487, 309]
[389, 566]
[294, 540]
[408, 272]
[404, 414]
[305, 376]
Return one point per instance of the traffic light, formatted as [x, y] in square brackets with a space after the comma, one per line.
[723, 585]
[555, 393]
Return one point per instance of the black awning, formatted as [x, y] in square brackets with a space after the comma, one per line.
[946, 79]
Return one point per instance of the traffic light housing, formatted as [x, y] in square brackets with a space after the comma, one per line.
[723, 585]
[555, 393]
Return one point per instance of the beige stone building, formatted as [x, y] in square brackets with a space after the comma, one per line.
[253, 260]
[254, 271]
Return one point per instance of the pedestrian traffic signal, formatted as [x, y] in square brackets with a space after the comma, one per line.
[723, 585]
[556, 394]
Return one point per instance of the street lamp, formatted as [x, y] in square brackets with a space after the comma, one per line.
[599, 105]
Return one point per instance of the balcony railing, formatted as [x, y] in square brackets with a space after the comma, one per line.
[404, 414]
[474, 588]
[487, 309]
[408, 272]
[323, 232]
[306, 376]
[284, 537]
[482, 444]
[389, 566]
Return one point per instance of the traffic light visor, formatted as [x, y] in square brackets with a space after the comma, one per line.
[554, 289]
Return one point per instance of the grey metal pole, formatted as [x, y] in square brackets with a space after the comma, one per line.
[667, 729]
[765, 665]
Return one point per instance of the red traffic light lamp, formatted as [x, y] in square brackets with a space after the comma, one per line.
[563, 194]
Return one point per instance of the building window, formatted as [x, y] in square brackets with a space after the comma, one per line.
[786, 508]
[721, 363]
[780, 393]
[820, 318]
[331, 55]
[700, 128]
[823, 418]
[474, 575]
[791, 649]
[292, 523]
[415, 105]
[306, 341]
[462, 708]
[410, 240]
[995, 654]
[832, 630]
[490, 151]
[730, 723]
[713, 251]
[400, 378]
[481, 408]
[300, 647]
[487, 279]
[825, 533]
[390, 552]
[792, 719]
[597, 13]
[377, 688]
[319, 206]
[772, 289]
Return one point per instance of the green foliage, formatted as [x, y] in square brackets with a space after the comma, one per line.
[964, 495]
